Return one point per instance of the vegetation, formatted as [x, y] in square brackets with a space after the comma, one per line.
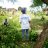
[11, 35]
[37, 2]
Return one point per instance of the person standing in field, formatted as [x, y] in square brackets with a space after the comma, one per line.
[25, 23]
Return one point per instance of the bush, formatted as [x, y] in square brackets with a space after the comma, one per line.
[33, 36]
[9, 36]
[45, 44]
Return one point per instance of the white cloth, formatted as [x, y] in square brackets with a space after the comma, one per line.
[24, 19]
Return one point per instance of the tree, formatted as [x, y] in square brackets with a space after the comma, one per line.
[37, 2]
[45, 1]
[42, 37]
[19, 8]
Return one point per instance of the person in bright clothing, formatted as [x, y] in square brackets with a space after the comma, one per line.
[25, 23]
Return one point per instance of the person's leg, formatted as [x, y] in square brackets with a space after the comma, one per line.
[27, 34]
[23, 32]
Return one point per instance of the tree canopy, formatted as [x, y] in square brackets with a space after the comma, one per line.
[45, 1]
[39, 2]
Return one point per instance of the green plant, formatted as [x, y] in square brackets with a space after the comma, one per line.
[9, 36]
[45, 44]
[33, 36]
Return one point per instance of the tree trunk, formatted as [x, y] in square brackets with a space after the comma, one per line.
[42, 37]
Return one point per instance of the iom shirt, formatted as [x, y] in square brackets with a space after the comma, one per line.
[24, 19]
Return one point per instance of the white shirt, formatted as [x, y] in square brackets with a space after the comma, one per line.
[24, 19]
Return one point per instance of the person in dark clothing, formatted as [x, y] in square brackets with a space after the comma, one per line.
[5, 22]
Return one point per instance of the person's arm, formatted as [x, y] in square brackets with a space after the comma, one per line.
[29, 19]
[30, 22]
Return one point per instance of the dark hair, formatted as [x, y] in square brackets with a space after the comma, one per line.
[23, 10]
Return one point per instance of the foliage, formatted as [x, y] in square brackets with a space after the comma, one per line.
[37, 24]
[45, 44]
[33, 36]
[37, 2]
[19, 8]
[9, 36]
[45, 1]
